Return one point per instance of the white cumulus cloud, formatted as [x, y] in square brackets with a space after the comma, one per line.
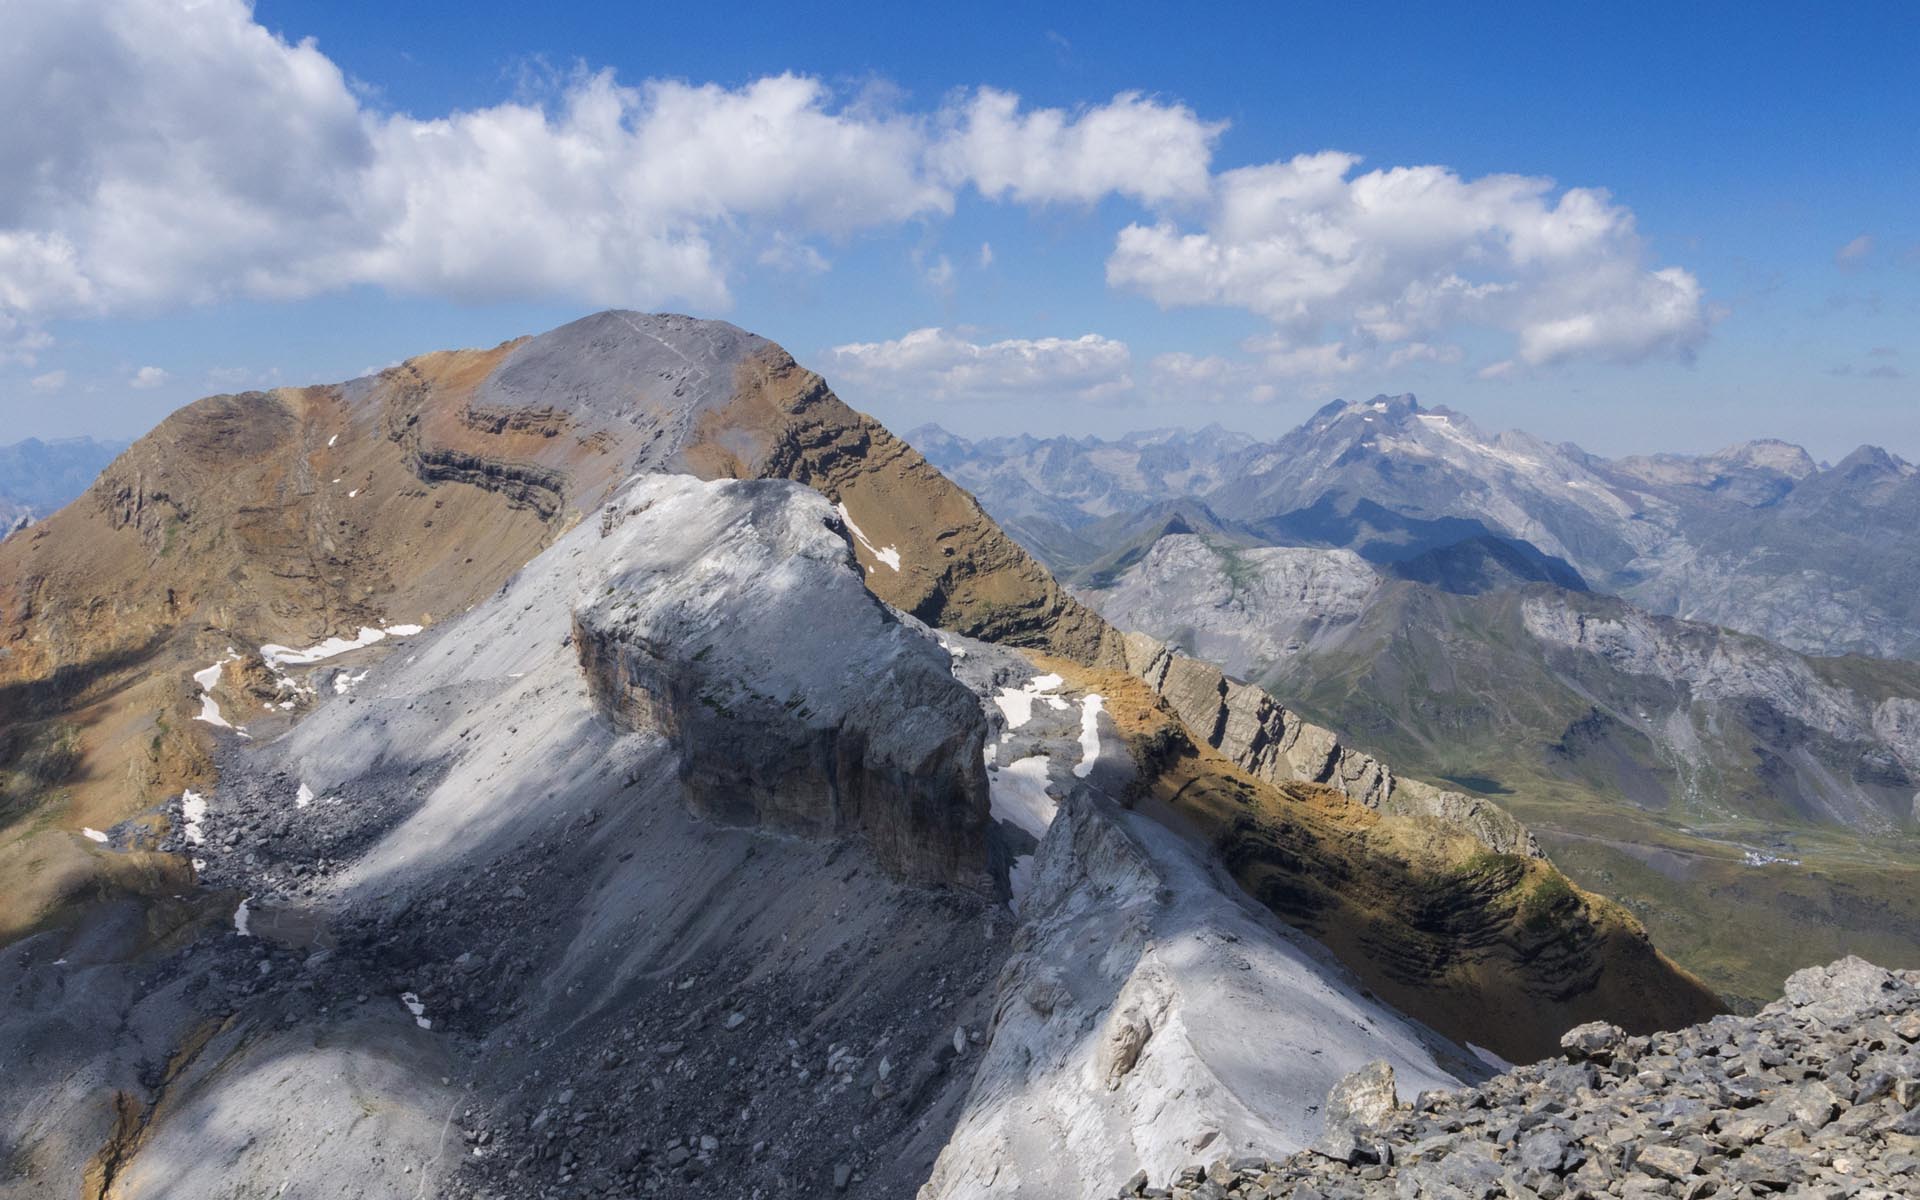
[944, 365]
[160, 152]
[50, 381]
[147, 378]
[1131, 146]
[1342, 262]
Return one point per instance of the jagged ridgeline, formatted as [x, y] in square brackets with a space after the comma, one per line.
[517, 854]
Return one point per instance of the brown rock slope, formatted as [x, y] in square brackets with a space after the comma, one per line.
[291, 516]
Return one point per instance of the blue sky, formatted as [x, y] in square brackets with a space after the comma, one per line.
[1728, 247]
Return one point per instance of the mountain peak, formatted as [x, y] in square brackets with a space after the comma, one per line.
[1767, 454]
[1393, 408]
[1873, 459]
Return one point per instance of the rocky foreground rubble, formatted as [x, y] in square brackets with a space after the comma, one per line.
[1817, 1095]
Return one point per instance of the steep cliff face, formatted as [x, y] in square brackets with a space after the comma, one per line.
[860, 730]
[1270, 742]
[929, 548]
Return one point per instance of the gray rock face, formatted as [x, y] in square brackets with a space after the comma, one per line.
[1200, 1024]
[622, 366]
[1363, 1099]
[1239, 607]
[859, 729]
[1273, 743]
[1843, 990]
[1595, 1040]
[1815, 1096]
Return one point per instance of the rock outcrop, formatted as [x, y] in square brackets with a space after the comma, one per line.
[860, 729]
[1817, 1095]
[1271, 742]
[466, 902]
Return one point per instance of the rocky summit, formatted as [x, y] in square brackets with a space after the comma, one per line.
[1816, 1095]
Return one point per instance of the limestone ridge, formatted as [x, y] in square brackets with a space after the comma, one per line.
[860, 729]
[1818, 1094]
[1272, 743]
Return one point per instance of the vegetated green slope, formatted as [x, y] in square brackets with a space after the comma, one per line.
[1640, 788]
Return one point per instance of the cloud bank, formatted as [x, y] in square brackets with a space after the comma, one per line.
[1345, 263]
[160, 153]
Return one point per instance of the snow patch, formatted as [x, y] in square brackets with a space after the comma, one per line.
[92, 834]
[1017, 793]
[241, 917]
[209, 678]
[1759, 858]
[353, 493]
[889, 555]
[210, 712]
[418, 1009]
[345, 682]
[1091, 707]
[303, 797]
[332, 440]
[278, 656]
[193, 811]
[1017, 703]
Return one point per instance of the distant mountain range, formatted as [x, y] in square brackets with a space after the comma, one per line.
[37, 477]
[1757, 537]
